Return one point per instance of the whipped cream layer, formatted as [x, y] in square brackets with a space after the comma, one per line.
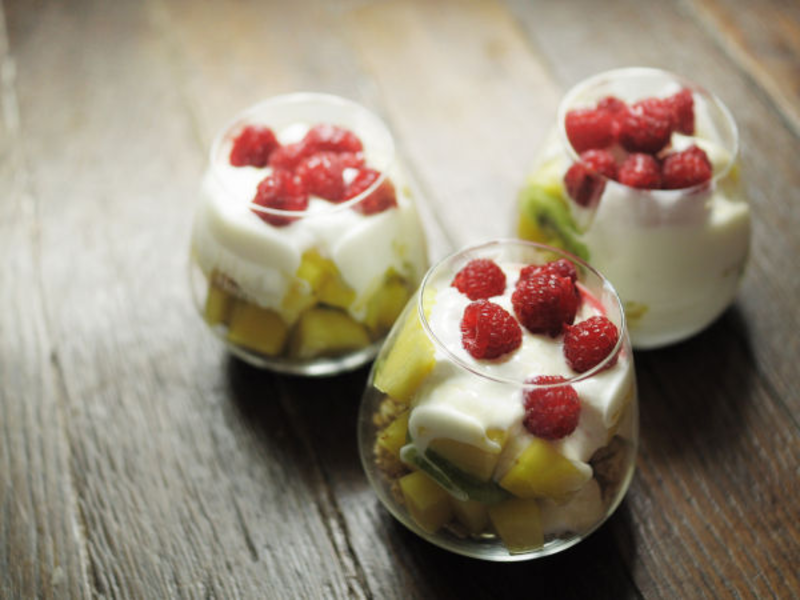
[262, 259]
[676, 258]
[456, 404]
[679, 258]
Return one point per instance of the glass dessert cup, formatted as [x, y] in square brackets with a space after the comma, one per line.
[303, 257]
[446, 439]
[676, 256]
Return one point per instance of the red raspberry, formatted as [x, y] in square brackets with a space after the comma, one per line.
[686, 168]
[545, 302]
[283, 191]
[646, 126]
[252, 147]
[640, 171]
[616, 108]
[331, 138]
[321, 174]
[589, 342]
[480, 278]
[561, 267]
[589, 128]
[351, 160]
[488, 330]
[289, 156]
[611, 104]
[600, 161]
[681, 107]
[551, 412]
[381, 199]
[583, 179]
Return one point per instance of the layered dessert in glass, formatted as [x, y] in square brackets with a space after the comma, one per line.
[641, 178]
[306, 242]
[500, 418]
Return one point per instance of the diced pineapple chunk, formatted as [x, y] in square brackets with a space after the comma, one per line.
[427, 503]
[540, 471]
[471, 514]
[299, 298]
[518, 523]
[219, 301]
[475, 461]
[335, 292]
[409, 361]
[393, 437]
[325, 280]
[326, 331]
[385, 305]
[257, 328]
[315, 269]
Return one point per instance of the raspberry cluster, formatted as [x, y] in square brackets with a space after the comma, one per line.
[640, 135]
[545, 301]
[314, 166]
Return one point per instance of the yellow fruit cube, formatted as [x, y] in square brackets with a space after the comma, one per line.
[219, 301]
[471, 514]
[325, 280]
[472, 460]
[315, 269]
[409, 361]
[540, 471]
[324, 331]
[335, 292]
[427, 503]
[518, 523]
[257, 328]
[393, 437]
[299, 298]
[385, 305]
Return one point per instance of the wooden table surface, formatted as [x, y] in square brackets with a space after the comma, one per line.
[139, 460]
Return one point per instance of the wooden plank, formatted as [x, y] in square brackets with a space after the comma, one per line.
[717, 469]
[146, 463]
[470, 104]
[41, 550]
[181, 492]
[764, 38]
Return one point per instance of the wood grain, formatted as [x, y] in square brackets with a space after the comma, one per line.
[764, 39]
[41, 544]
[138, 460]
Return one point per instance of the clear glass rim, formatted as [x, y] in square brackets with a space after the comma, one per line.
[627, 72]
[244, 116]
[541, 248]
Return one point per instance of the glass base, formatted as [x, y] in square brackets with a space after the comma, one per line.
[323, 366]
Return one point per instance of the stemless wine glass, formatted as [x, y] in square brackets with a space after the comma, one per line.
[306, 241]
[672, 231]
[471, 453]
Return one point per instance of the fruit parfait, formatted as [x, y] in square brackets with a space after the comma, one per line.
[306, 242]
[500, 419]
[640, 178]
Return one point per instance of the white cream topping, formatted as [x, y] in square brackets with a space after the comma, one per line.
[262, 259]
[456, 404]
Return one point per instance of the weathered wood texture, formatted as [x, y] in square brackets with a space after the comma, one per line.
[138, 460]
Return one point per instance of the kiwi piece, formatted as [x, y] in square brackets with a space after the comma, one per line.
[545, 217]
